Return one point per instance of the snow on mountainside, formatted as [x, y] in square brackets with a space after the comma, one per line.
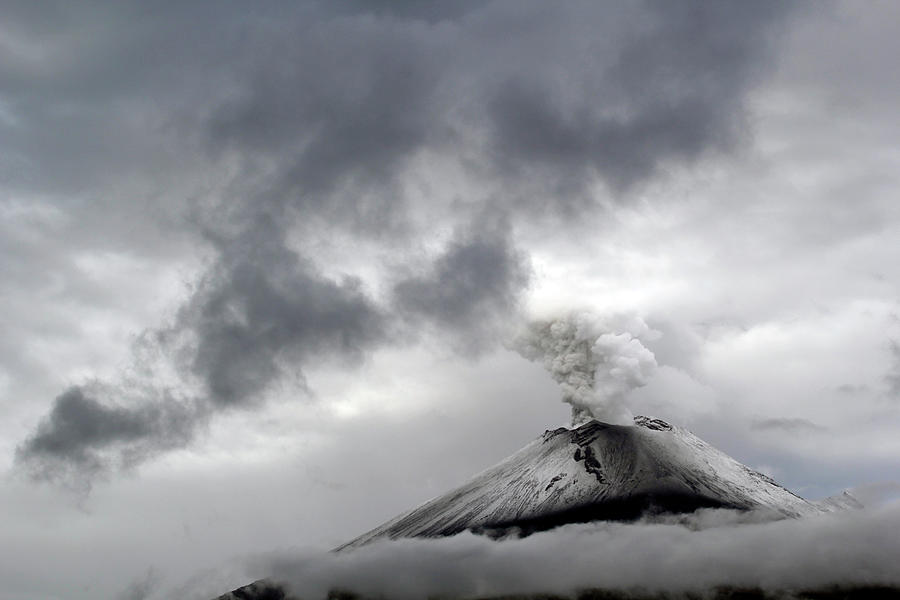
[596, 471]
[839, 502]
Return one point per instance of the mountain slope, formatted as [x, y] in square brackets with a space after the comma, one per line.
[596, 471]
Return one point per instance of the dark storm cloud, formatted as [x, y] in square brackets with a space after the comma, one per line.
[469, 288]
[334, 92]
[629, 89]
[72, 443]
[263, 308]
[671, 93]
[308, 118]
[336, 112]
[260, 310]
[86, 90]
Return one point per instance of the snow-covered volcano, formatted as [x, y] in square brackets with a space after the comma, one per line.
[596, 471]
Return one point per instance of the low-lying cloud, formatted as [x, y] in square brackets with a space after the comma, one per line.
[850, 548]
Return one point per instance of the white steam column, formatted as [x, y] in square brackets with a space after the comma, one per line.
[596, 360]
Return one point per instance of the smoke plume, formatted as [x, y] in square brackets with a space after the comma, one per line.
[596, 360]
[90, 431]
[471, 290]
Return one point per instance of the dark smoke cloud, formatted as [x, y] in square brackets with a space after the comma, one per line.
[83, 438]
[311, 120]
[260, 310]
[263, 308]
[850, 548]
[469, 289]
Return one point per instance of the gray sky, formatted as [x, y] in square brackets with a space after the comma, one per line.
[263, 267]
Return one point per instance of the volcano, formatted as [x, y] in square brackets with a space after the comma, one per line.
[596, 471]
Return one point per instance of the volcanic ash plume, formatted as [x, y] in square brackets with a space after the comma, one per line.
[596, 360]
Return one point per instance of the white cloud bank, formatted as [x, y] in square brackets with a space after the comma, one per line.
[851, 548]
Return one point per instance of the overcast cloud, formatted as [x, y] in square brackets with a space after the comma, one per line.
[322, 121]
[287, 247]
